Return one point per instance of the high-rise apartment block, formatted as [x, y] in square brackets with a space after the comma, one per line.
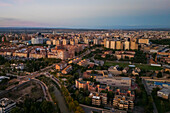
[126, 45]
[133, 45]
[65, 41]
[95, 41]
[107, 44]
[119, 45]
[72, 42]
[112, 44]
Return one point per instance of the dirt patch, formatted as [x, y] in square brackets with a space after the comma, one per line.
[28, 90]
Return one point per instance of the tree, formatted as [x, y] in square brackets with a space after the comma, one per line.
[76, 93]
[79, 110]
[16, 110]
[30, 106]
[2, 60]
[72, 106]
[87, 101]
[69, 99]
[76, 103]
[159, 75]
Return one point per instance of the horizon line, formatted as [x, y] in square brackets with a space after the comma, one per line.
[86, 28]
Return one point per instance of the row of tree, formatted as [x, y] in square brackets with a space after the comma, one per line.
[35, 65]
[161, 41]
[72, 104]
[143, 99]
[31, 106]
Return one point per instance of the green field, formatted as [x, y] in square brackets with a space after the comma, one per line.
[141, 66]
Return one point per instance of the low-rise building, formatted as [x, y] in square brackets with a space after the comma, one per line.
[81, 84]
[67, 69]
[123, 102]
[103, 98]
[83, 63]
[96, 100]
[164, 93]
[60, 66]
[6, 105]
[115, 70]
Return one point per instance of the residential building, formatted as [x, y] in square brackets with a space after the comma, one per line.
[123, 102]
[67, 69]
[6, 105]
[62, 54]
[115, 70]
[107, 44]
[143, 41]
[60, 66]
[81, 84]
[112, 44]
[119, 45]
[96, 100]
[164, 93]
[95, 41]
[126, 45]
[103, 98]
[133, 45]
[65, 41]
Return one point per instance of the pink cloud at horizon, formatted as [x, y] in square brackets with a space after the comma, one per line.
[18, 23]
[3, 4]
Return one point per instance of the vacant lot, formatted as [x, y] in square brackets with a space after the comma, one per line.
[28, 90]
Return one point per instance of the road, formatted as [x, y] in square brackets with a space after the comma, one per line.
[29, 78]
[47, 95]
[2, 93]
[89, 109]
[149, 93]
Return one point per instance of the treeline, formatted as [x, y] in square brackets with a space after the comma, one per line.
[2, 60]
[73, 105]
[140, 57]
[162, 105]
[161, 41]
[143, 99]
[31, 106]
[35, 65]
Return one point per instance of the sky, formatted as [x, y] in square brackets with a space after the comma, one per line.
[107, 14]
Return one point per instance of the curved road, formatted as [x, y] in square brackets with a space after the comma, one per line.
[47, 95]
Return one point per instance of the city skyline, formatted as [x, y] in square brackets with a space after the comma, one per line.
[108, 14]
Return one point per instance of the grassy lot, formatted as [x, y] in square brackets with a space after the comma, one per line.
[141, 66]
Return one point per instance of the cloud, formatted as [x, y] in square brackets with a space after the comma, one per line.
[11, 22]
[22, 1]
[3, 4]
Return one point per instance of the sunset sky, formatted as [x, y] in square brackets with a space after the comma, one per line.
[85, 13]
